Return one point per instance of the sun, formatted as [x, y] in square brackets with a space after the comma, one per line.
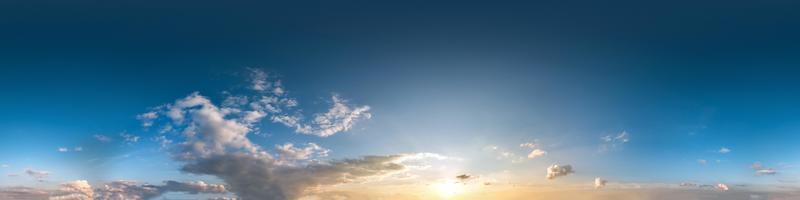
[448, 189]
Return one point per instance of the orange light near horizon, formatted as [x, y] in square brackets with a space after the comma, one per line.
[448, 189]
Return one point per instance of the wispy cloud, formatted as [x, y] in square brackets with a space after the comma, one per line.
[724, 150]
[102, 138]
[611, 142]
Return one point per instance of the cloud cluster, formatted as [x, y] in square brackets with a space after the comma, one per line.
[535, 151]
[117, 190]
[214, 141]
[555, 171]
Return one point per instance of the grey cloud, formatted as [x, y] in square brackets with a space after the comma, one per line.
[556, 171]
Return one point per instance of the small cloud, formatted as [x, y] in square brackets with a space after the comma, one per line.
[37, 174]
[556, 171]
[611, 142]
[702, 161]
[724, 150]
[130, 139]
[102, 138]
[147, 118]
[722, 187]
[463, 178]
[761, 170]
[599, 183]
[537, 153]
[62, 149]
[78, 149]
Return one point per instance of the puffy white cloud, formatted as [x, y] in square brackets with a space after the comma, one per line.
[599, 183]
[37, 173]
[129, 138]
[724, 150]
[62, 149]
[75, 190]
[555, 171]
[537, 153]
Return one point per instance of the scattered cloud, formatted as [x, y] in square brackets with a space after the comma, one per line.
[129, 138]
[464, 178]
[62, 149]
[599, 183]
[37, 173]
[503, 154]
[724, 150]
[147, 118]
[288, 152]
[214, 142]
[535, 151]
[77, 149]
[556, 171]
[611, 142]
[761, 170]
[102, 138]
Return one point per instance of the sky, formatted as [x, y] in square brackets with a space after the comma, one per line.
[399, 100]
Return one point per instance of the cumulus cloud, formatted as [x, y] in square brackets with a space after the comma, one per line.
[537, 153]
[722, 186]
[556, 171]
[599, 183]
[129, 190]
[724, 150]
[214, 142]
[611, 142]
[75, 190]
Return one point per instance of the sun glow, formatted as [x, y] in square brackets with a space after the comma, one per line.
[448, 189]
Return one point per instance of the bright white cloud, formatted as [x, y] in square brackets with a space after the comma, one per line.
[537, 153]
[555, 171]
[724, 150]
[62, 149]
[340, 117]
[599, 183]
